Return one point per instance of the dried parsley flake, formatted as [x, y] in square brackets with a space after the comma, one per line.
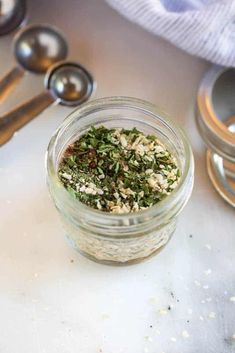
[118, 170]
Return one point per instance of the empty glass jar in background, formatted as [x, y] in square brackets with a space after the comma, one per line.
[120, 238]
[216, 123]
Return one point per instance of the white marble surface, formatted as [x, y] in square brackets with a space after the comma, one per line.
[54, 300]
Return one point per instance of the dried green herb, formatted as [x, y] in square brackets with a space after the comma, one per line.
[118, 170]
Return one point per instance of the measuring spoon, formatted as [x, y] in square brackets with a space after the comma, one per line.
[67, 83]
[36, 48]
[12, 15]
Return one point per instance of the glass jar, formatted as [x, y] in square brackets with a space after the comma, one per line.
[216, 123]
[120, 238]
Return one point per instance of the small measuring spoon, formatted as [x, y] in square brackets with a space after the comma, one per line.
[67, 83]
[12, 15]
[36, 48]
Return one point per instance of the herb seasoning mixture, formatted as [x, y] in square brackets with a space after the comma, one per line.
[118, 170]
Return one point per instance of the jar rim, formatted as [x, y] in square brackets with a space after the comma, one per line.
[158, 209]
[214, 132]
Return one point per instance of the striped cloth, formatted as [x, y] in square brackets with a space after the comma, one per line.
[205, 28]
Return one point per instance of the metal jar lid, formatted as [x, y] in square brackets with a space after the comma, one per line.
[216, 123]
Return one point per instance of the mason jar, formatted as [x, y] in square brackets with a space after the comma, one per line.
[215, 118]
[120, 238]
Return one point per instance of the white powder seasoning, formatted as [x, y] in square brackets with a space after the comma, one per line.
[120, 250]
[212, 315]
[185, 334]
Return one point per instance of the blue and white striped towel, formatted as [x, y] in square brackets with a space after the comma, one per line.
[205, 28]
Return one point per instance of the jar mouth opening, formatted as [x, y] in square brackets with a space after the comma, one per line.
[158, 209]
[211, 120]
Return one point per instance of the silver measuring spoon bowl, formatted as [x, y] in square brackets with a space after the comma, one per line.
[70, 83]
[12, 15]
[67, 83]
[36, 48]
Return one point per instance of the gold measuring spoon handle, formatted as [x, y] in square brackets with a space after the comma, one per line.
[10, 81]
[21, 115]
